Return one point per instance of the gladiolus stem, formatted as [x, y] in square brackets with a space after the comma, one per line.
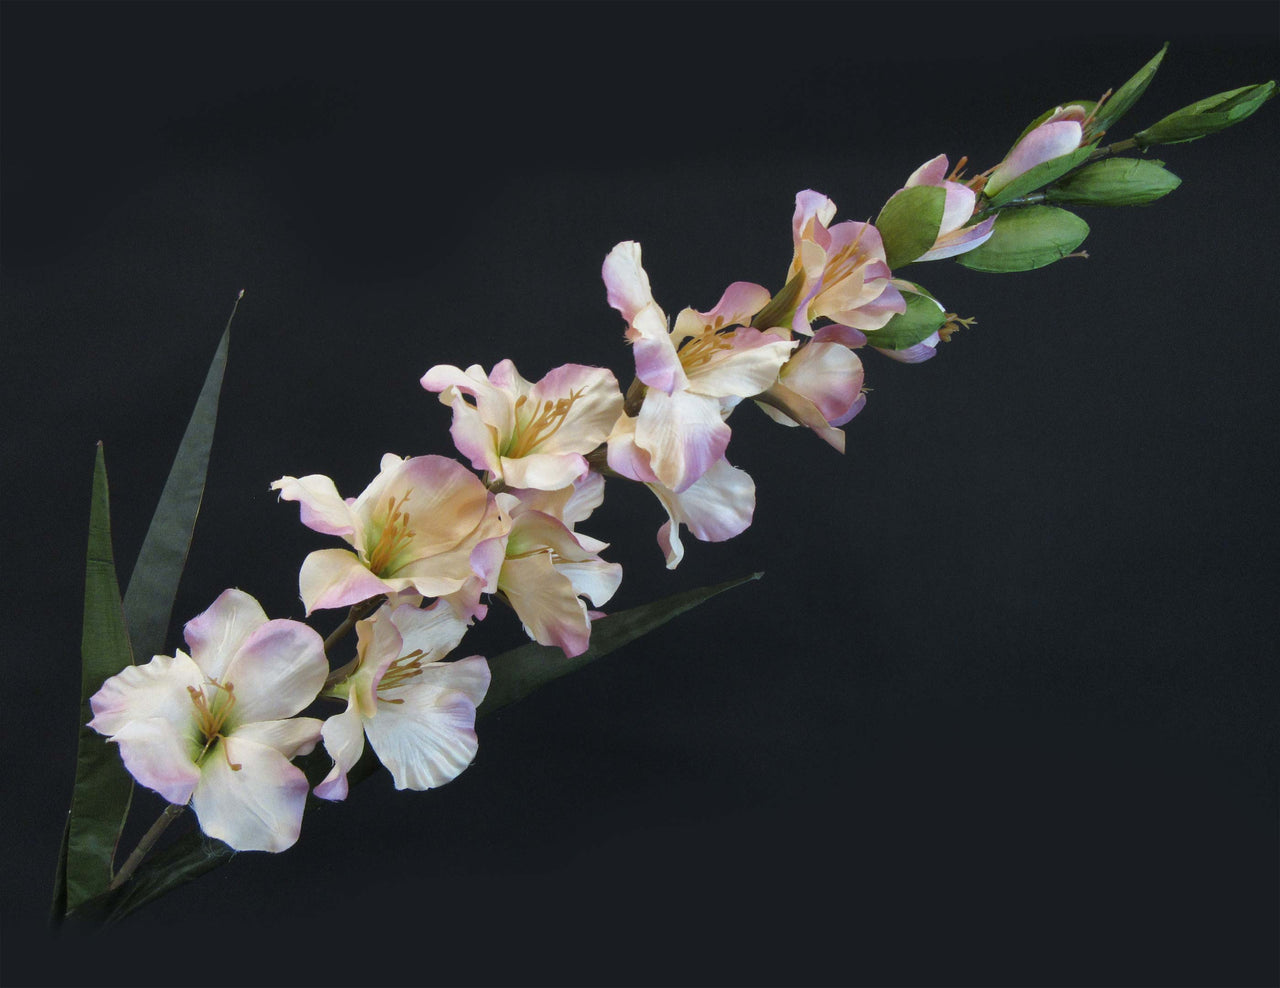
[171, 813]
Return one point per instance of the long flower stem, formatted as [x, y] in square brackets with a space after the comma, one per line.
[171, 813]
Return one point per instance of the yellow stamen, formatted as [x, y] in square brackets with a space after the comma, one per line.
[545, 424]
[395, 535]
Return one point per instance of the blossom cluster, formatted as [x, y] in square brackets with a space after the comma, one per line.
[432, 542]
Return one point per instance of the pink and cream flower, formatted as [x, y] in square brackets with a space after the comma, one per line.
[216, 728]
[417, 711]
[715, 507]
[413, 528]
[844, 274]
[528, 435]
[820, 386]
[695, 373]
[548, 568]
[953, 236]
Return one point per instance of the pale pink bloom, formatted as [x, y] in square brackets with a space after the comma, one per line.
[418, 712]
[715, 508]
[1058, 134]
[695, 373]
[953, 236]
[845, 274]
[820, 386]
[216, 728]
[548, 568]
[414, 527]
[528, 435]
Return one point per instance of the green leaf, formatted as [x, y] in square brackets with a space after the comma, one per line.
[517, 673]
[909, 222]
[1115, 182]
[103, 789]
[1207, 116]
[922, 319]
[1124, 97]
[153, 585]
[1039, 176]
[1026, 238]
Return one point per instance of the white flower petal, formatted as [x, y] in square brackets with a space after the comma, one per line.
[344, 741]
[157, 689]
[278, 671]
[215, 636]
[429, 738]
[159, 756]
[291, 737]
[249, 796]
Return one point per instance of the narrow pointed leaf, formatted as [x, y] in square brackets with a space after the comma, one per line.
[153, 585]
[1027, 237]
[1123, 99]
[517, 673]
[103, 789]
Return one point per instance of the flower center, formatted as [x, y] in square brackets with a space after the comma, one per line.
[211, 713]
[699, 350]
[399, 672]
[545, 423]
[393, 538]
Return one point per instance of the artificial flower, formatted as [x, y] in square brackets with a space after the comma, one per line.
[414, 527]
[216, 728]
[953, 236]
[695, 373]
[528, 435]
[820, 386]
[844, 274]
[417, 711]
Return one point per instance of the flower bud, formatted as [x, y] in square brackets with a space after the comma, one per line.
[1115, 182]
[1207, 116]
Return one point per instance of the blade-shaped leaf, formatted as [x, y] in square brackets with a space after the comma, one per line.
[153, 585]
[1124, 98]
[515, 674]
[103, 789]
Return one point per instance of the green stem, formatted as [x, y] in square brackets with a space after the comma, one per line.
[171, 813]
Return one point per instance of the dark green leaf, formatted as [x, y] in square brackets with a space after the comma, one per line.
[1039, 176]
[517, 673]
[1124, 97]
[909, 222]
[103, 789]
[153, 585]
[1115, 182]
[1027, 237]
[187, 858]
[1207, 116]
[922, 319]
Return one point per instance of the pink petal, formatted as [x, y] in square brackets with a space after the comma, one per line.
[322, 508]
[683, 434]
[215, 636]
[279, 670]
[336, 578]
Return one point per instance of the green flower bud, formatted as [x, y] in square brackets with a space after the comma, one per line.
[1027, 237]
[1207, 116]
[1115, 182]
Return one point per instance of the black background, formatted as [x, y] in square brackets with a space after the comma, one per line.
[1002, 709]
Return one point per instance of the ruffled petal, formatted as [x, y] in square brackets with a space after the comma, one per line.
[683, 434]
[160, 756]
[249, 796]
[291, 737]
[546, 602]
[337, 578]
[156, 689]
[344, 741]
[322, 507]
[215, 636]
[279, 670]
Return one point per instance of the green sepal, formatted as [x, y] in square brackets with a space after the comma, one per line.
[923, 318]
[1115, 182]
[782, 307]
[103, 789]
[1207, 116]
[1026, 238]
[153, 584]
[514, 675]
[910, 221]
[1123, 99]
[1039, 176]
